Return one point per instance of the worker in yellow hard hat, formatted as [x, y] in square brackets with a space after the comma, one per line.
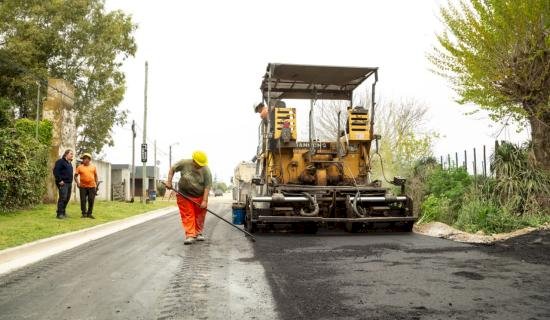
[195, 182]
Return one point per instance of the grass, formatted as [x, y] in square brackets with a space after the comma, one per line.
[479, 213]
[24, 226]
[514, 196]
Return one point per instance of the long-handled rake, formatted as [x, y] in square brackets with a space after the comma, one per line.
[215, 214]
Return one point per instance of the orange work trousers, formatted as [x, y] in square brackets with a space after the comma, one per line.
[192, 215]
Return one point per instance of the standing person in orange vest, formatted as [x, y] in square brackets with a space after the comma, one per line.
[86, 180]
[195, 182]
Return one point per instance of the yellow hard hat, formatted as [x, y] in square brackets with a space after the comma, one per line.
[200, 158]
[86, 155]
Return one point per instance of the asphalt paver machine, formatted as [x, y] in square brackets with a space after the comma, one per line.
[313, 183]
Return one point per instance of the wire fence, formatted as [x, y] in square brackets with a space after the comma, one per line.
[476, 161]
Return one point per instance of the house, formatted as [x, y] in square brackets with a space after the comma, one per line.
[150, 178]
[121, 182]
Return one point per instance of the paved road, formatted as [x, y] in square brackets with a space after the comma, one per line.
[146, 272]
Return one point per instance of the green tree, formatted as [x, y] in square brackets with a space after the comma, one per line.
[220, 186]
[6, 115]
[401, 125]
[404, 137]
[496, 54]
[76, 40]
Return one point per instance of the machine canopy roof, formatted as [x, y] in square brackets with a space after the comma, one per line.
[293, 81]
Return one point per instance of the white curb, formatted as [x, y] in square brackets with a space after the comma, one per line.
[20, 256]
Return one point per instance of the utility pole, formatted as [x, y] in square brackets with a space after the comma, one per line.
[144, 179]
[37, 107]
[133, 173]
[170, 153]
[155, 168]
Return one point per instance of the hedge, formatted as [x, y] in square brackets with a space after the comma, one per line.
[23, 163]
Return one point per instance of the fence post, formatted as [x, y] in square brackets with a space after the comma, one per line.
[456, 159]
[475, 167]
[449, 160]
[465, 161]
[484, 162]
[494, 154]
[441, 159]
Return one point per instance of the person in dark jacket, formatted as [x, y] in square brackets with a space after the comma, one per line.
[63, 174]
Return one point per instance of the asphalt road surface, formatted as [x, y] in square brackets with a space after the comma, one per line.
[146, 272]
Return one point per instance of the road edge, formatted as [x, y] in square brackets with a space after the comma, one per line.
[444, 231]
[15, 258]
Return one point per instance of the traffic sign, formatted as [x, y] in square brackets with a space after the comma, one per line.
[144, 152]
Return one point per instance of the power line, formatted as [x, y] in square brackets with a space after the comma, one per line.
[151, 141]
[24, 70]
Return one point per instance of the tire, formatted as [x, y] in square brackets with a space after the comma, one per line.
[353, 227]
[249, 225]
[408, 226]
[310, 228]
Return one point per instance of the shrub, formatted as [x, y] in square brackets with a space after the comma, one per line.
[416, 182]
[504, 221]
[519, 185]
[516, 196]
[483, 212]
[451, 184]
[23, 164]
[27, 128]
[436, 209]
[477, 214]
[444, 190]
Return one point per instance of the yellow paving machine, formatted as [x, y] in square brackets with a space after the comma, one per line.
[314, 183]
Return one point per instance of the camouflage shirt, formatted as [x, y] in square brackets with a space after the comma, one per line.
[193, 180]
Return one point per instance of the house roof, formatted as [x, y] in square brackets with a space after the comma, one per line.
[120, 166]
[149, 169]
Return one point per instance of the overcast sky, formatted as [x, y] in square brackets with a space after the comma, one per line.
[207, 58]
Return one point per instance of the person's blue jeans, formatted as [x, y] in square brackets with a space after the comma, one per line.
[64, 197]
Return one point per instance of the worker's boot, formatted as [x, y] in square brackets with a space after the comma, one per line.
[200, 237]
[189, 240]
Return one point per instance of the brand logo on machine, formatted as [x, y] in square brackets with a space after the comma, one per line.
[316, 145]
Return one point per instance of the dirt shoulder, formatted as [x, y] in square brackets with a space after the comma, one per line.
[528, 245]
[442, 230]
